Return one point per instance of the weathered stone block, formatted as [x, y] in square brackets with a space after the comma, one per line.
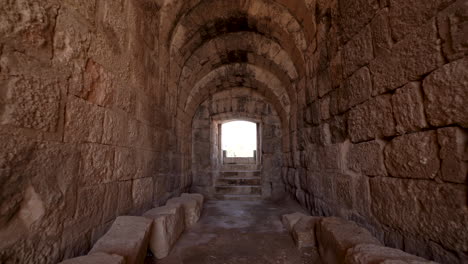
[325, 108]
[30, 103]
[368, 253]
[357, 89]
[453, 26]
[358, 51]
[115, 128]
[303, 232]
[289, 220]
[381, 33]
[373, 119]
[142, 192]
[335, 236]
[367, 158]
[168, 225]
[96, 164]
[413, 156]
[395, 201]
[447, 95]
[323, 83]
[355, 15]
[406, 17]
[408, 108]
[329, 158]
[84, 121]
[128, 237]
[197, 196]
[453, 143]
[408, 60]
[96, 258]
[191, 208]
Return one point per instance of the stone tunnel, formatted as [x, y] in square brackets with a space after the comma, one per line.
[111, 108]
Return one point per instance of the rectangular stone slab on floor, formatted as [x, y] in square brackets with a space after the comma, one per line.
[368, 253]
[191, 207]
[336, 235]
[289, 220]
[196, 196]
[303, 231]
[128, 237]
[168, 225]
[97, 258]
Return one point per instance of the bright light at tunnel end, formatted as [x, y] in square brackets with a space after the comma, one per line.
[239, 138]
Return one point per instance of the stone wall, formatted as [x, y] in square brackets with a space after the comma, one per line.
[383, 137]
[82, 124]
[235, 104]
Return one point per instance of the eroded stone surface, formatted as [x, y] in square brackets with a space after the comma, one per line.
[168, 225]
[304, 232]
[289, 220]
[369, 253]
[128, 237]
[335, 236]
[191, 207]
[98, 258]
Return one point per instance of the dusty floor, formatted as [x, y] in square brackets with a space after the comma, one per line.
[239, 232]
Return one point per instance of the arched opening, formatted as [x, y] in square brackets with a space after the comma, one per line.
[239, 142]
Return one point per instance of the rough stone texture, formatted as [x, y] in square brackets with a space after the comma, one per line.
[453, 143]
[408, 60]
[369, 253]
[119, 102]
[436, 205]
[413, 156]
[128, 237]
[168, 225]
[368, 158]
[191, 207]
[289, 220]
[358, 52]
[408, 108]
[373, 119]
[98, 258]
[446, 94]
[335, 236]
[303, 232]
[196, 196]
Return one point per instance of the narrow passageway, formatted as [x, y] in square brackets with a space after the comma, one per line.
[239, 232]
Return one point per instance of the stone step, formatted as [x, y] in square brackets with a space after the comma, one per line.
[240, 181]
[237, 197]
[241, 174]
[236, 167]
[252, 189]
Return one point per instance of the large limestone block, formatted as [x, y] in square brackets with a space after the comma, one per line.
[198, 197]
[303, 231]
[168, 225]
[289, 220]
[191, 208]
[374, 254]
[97, 258]
[336, 235]
[128, 237]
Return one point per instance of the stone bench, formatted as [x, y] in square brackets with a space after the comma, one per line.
[97, 258]
[128, 237]
[168, 225]
[192, 209]
[341, 241]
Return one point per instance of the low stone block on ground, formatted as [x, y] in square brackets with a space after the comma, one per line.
[191, 207]
[375, 254]
[335, 236]
[168, 225]
[198, 197]
[127, 237]
[98, 258]
[303, 231]
[289, 220]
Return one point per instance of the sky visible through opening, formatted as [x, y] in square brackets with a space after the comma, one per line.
[239, 138]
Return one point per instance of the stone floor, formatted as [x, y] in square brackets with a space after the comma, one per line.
[239, 232]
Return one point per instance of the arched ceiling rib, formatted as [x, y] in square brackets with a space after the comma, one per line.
[235, 72]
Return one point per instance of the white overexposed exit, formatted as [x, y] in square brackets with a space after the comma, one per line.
[239, 139]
